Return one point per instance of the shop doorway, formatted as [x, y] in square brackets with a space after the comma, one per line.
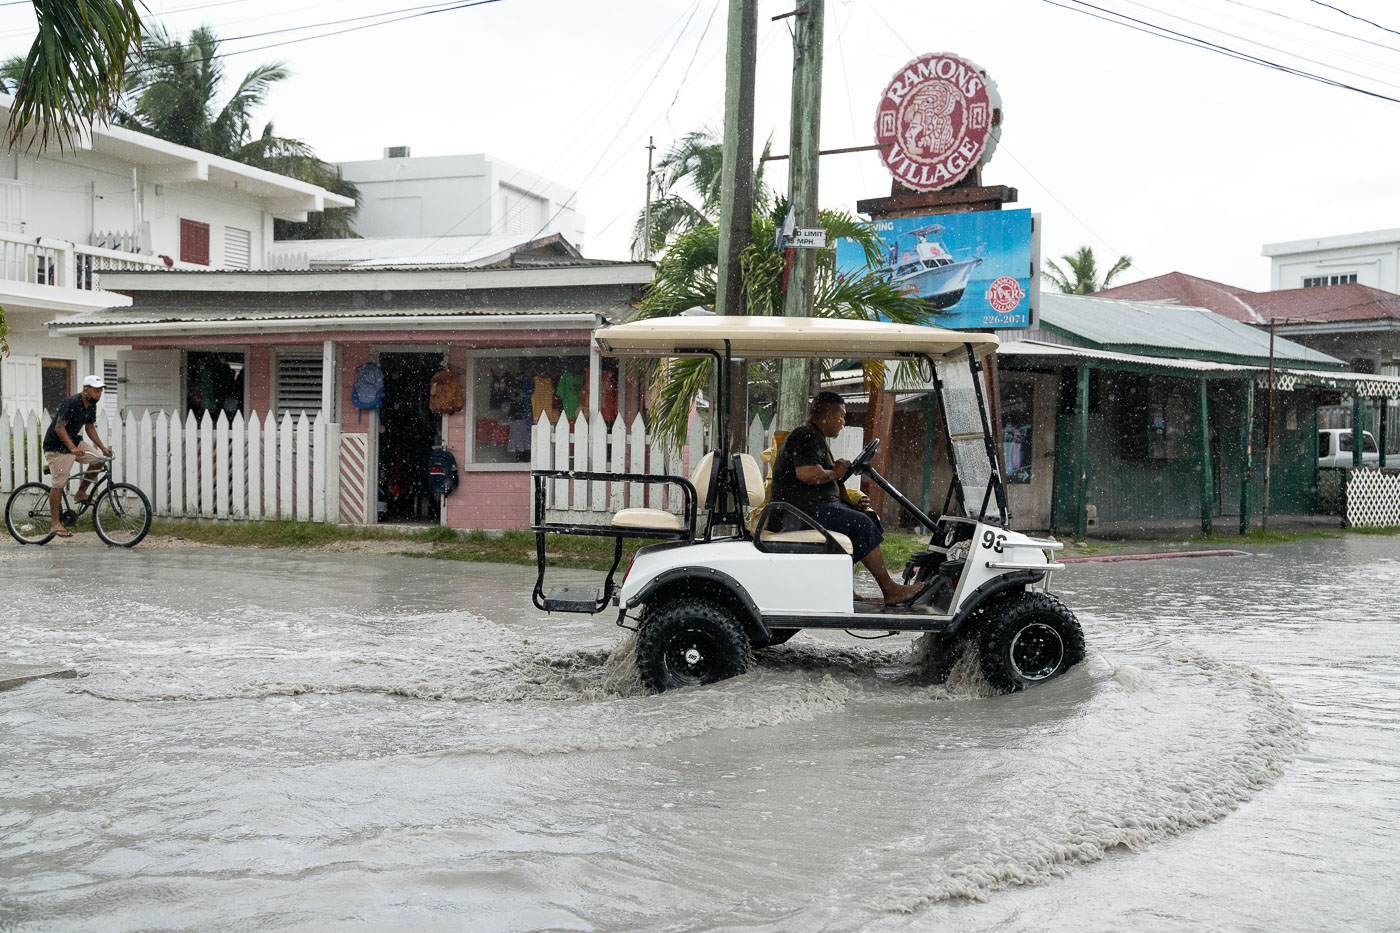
[408, 431]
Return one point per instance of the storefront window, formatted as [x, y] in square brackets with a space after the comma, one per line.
[511, 393]
[214, 383]
[1017, 430]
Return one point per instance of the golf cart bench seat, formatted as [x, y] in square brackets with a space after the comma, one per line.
[650, 519]
[805, 536]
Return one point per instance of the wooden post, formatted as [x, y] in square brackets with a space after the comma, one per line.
[1081, 445]
[1358, 428]
[736, 190]
[879, 422]
[1207, 484]
[1247, 450]
[804, 149]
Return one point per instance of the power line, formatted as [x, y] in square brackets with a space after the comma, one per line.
[1162, 32]
[1303, 22]
[1355, 17]
[1262, 45]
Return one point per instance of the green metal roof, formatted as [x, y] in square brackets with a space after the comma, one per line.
[1159, 329]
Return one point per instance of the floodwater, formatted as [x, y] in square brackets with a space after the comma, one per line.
[285, 741]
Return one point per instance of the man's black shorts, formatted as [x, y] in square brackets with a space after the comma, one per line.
[855, 524]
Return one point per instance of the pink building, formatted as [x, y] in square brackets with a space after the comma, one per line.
[257, 342]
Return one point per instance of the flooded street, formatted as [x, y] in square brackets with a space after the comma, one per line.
[263, 740]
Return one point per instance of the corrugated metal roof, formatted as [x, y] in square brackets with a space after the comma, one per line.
[117, 316]
[1175, 330]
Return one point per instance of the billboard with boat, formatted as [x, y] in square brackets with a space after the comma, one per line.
[971, 271]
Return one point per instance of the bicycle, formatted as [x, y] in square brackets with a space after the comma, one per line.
[121, 513]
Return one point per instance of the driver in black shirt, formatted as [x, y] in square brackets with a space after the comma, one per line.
[805, 476]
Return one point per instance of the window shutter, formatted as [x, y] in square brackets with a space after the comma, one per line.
[238, 249]
[109, 388]
[298, 383]
[194, 242]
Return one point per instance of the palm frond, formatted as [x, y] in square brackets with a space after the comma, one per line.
[75, 68]
[675, 385]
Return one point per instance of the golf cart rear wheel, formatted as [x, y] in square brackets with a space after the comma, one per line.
[1032, 638]
[690, 642]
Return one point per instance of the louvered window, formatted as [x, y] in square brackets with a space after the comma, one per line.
[109, 388]
[520, 212]
[238, 249]
[298, 383]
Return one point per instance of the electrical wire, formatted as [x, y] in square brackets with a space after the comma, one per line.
[1355, 17]
[1163, 32]
[1303, 22]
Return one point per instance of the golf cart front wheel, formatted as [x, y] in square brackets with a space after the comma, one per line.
[1032, 638]
[690, 642]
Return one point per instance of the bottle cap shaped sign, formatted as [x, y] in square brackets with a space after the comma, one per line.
[936, 117]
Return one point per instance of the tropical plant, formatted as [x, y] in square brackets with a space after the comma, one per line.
[1084, 269]
[4, 329]
[686, 278]
[688, 182]
[75, 70]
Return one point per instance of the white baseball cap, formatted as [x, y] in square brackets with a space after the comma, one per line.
[93, 381]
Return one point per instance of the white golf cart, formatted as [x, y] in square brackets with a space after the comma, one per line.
[712, 590]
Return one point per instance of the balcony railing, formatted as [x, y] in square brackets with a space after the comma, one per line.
[43, 261]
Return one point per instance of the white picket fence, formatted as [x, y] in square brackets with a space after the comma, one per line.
[590, 444]
[211, 467]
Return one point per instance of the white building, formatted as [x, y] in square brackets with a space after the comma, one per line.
[1371, 258]
[117, 200]
[405, 196]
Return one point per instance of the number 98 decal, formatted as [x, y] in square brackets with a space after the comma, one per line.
[993, 541]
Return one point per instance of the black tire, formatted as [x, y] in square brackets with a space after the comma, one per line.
[122, 515]
[777, 637]
[690, 642]
[1031, 638]
[27, 514]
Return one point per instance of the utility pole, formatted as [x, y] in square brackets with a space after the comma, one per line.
[736, 191]
[804, 148]
[646, 217]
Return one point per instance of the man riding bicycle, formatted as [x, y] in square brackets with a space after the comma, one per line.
[61, 450]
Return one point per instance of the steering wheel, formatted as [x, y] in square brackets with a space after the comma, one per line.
[862, 460]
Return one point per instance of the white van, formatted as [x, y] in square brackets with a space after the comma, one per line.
[1334, 448]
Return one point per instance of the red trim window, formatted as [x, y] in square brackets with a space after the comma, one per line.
[194, 242]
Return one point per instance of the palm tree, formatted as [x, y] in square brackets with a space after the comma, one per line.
[1082, 265]
[688, 180]
[686, 278]
[75, 70]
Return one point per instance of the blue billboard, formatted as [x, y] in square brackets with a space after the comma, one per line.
[972, 271]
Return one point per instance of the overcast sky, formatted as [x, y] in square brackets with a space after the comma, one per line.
[1184, 159]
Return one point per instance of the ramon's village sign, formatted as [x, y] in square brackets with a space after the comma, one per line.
[936, 116]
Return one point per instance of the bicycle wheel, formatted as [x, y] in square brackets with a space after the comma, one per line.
[27, 514]
[122, 516]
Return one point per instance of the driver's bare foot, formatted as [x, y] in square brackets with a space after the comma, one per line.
[900, 593]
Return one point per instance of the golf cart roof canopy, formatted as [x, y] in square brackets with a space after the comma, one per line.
[793, 337]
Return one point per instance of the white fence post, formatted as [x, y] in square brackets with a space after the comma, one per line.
[597, 459]
[145, 455]
[318, 469]
[580, 446]
[542, 456]
[254, 467]
[7, 450]
[130, 460]
[303, 469]
[160, 495]
[332, 466]
[206, 466]
[237, 469]
[33, 438]
[284, 468]
[191, 465]
[561, 462]
[269, 477]
[637, 460]
[176, 505]
[618, 464]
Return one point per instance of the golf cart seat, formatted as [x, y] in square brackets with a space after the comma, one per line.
[812, 540]
[660, 519]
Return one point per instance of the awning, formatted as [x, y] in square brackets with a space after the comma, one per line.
[787, 337]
